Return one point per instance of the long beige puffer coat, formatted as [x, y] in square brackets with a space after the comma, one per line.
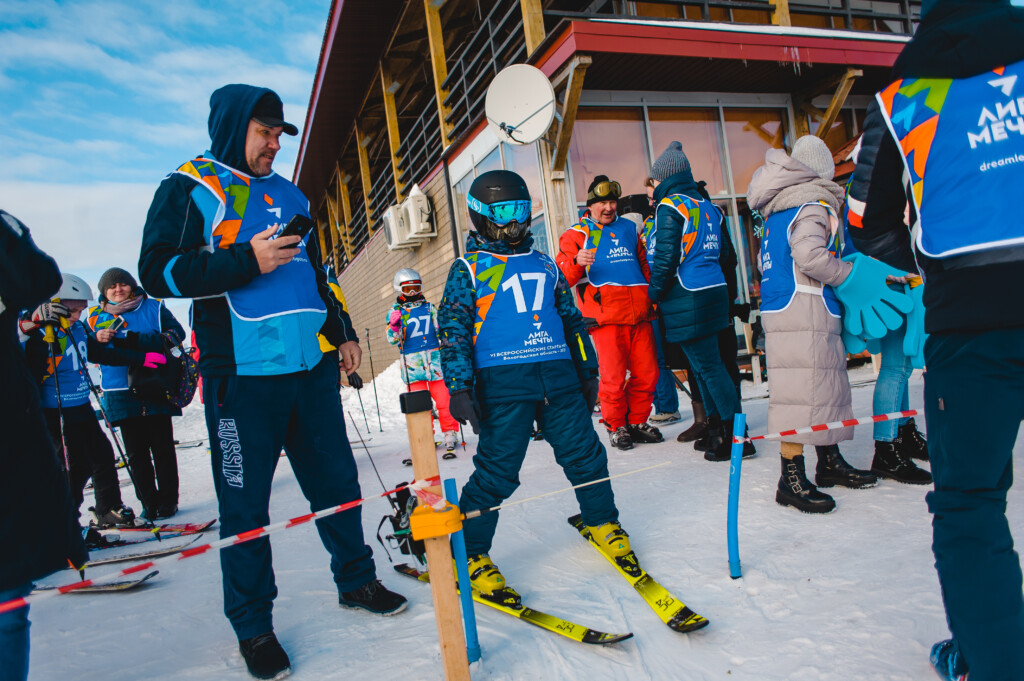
[807, 379]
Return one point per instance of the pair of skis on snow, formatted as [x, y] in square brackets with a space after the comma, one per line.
[672, 611]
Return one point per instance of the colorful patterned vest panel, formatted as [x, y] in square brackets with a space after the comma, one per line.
[615, 261]
[962, 141]
[778, 271]
[516, 318]
[420, 333]
[70, 374]
[649, 238]
[143, 319]
[698, 261]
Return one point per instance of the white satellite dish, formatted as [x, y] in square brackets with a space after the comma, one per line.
[520, 104]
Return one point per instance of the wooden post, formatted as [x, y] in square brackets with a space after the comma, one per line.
[364, 173]
[388, 88]
[838, 99]
[417, 406]
[780, 16]
[533, 24]
[573, 90]
[435, 40]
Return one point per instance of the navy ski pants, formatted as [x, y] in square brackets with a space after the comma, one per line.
[974, 403]
[504, 437]
[250, 419]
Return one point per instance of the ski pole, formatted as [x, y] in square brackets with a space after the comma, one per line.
[462, 570]
[394, 504]
[373, 379]
[682, 386]
[50, 337]
[363, 409]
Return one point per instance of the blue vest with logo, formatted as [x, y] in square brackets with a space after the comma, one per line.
[70, 374]
[962, 142]
[649, 238]
[778, 271]
[143, 319]
[698, 261]
[615, 261]
[517, 321]
[420, 333]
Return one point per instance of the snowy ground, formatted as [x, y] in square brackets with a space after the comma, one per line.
[851, 595]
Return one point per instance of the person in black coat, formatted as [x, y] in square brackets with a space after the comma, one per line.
[38, 526]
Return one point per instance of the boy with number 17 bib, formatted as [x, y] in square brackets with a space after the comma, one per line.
[412, 326]
[514, 349]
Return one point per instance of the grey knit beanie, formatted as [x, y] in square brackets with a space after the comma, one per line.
[115, 275]
[813, 153]
[671, 161]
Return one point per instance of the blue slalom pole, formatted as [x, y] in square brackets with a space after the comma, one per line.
[739, 427]
[462, 571]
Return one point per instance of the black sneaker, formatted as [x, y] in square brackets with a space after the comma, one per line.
[620, 438]
[265, 657]
[644, 432]
[166, 511]
[375, 597]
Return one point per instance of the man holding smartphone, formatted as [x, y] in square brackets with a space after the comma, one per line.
[260, 303]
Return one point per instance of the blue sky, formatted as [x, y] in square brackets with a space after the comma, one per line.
[101, 99]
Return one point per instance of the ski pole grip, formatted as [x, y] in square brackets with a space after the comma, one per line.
[426, 523]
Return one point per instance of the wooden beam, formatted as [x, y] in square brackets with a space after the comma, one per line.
[780, 15]
[533, 24]
[344, 217]
[388, 88]
[573, 89]
[837, 100]
[364, 174]
[346, 207]
[439, 67]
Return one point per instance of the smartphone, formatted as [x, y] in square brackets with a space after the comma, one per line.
[298, 226]
[117, 324]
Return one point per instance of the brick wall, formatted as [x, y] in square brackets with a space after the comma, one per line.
[366, 282]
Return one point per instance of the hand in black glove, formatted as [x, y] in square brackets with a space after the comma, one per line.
[464, 409]
[589, 389]
[355, 381]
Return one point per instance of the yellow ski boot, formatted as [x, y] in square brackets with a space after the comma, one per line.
[487, 580]
[612, 539]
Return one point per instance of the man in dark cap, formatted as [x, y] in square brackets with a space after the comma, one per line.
[260, 302]
[604, 257]
[950, 120]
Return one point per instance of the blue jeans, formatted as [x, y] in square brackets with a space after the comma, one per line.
[717, 390]
[666, 399]
[891, 387]
[14, 641]
[974, 403]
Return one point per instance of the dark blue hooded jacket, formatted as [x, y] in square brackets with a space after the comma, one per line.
[176, 262]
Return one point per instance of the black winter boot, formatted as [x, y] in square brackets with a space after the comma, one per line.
[797, 491]
[264, 657]
[698, 427]
[911, 442]
[713, 435]
[890, 462]
[724, 450]
[833, 470]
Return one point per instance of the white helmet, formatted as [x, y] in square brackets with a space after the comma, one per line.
[73, 288]
[405, 276]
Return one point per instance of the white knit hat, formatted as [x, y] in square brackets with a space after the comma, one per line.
[813, 153]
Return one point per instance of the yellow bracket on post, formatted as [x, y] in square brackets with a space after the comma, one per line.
[426, 523]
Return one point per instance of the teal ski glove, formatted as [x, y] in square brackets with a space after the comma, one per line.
[913, 341]
[872, 307]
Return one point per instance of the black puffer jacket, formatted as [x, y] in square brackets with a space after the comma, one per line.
[956, 39]
[686, 314]
[38, 527]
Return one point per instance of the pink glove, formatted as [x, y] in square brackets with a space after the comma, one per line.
[395, 321]
[154, 359]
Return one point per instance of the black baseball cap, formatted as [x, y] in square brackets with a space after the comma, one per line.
[270, 112]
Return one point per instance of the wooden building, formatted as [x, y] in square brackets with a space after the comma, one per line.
[398, 100]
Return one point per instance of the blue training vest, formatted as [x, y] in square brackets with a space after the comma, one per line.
[962, 142]
[778, 271]
[702, 230]
[143, 319]
[517, 321]
[74, 386]
[420, 333]
[649, 238]
[615, 262]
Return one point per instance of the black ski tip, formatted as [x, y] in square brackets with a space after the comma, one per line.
[600, 638]
[687, 620]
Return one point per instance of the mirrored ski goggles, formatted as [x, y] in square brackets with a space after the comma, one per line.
[502, 212]
[604, 191]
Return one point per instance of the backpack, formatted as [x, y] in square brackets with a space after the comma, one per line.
[172, 383]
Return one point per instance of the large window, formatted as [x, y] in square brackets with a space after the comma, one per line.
[750, 133]
[699, 132]
[608, 141]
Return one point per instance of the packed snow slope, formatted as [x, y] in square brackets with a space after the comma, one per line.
[850, 595]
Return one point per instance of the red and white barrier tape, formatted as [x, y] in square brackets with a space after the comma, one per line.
[16, 603]
[831, 426]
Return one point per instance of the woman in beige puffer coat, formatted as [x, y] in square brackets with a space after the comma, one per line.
[808, 382]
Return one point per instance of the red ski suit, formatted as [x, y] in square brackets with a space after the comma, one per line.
[622, 336]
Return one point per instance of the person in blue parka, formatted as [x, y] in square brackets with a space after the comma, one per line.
[514, 349]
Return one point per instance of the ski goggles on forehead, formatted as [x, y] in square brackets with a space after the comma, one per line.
[605, 190]
[502, 212]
